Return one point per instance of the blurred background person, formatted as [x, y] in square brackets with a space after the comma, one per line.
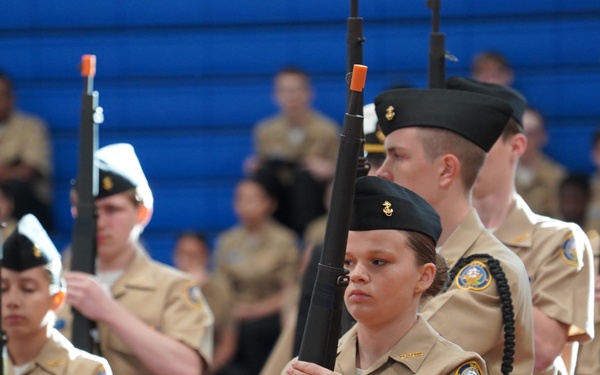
[295, 150]
[492, 67]
[25, 157]
[259, 258]
[191, 254]
[538, 175]
[7, 205]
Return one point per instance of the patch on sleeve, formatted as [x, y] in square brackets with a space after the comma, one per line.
[100, 370]
[469, 368]
[193, 295]
[569, 250]
[60, 324]
[474, 276]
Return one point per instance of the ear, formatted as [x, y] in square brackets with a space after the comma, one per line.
[144, 215]
[57, 300]
[518, 144]
[449, 169]
[426, 277]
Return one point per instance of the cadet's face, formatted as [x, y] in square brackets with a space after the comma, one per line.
[190, 254]
[406, 164]
[117, 219]
[251, 203]
[383, 277]
[291, 93]
[26, 301]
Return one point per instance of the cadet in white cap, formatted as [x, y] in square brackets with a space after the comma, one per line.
[32, 291]
[152, 319]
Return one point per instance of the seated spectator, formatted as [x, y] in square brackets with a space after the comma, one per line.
[7, 205]
[492, 67]
[259, 257]
[295, 150]
[25, 157]
[538, 175]
[192, 255]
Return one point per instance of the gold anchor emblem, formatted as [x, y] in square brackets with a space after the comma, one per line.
[389, 113]
[387, 210]
[107, 183]
[36, 251]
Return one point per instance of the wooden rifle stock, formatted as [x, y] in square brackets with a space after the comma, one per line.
[83, 245]
[323, 323]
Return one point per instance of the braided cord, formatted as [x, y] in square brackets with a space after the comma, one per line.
[508, 316]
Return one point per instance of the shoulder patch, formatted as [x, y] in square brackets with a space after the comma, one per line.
[100, 370]
[568, 250]
[474, 276]
[193, 295]
[469, 368]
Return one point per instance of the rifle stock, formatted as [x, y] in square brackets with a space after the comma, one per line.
[84, 229]
[323, 323]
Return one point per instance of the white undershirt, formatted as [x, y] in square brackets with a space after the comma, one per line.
[108, 278]
[22, 369]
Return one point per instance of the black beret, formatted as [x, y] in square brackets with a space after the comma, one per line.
[514, 98]
[374, 137]
[119, 170]
[382, 204]
[477, 117]
[28, 246]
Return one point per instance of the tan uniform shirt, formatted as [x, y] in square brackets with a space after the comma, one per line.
[318, 137]
[421, 351]
[470, 315]
[219, 297]
[540, 191]
[25, 139]
[60, 357]
[257, 266]
[166, 300]
[558, 259]
[315, 231]
[588, 359]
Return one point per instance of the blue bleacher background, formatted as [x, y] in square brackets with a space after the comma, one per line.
[184, 81]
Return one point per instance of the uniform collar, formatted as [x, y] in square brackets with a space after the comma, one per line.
[517, 229]
[411, 350]
[54, 355]
[463, 237]
[136, 275]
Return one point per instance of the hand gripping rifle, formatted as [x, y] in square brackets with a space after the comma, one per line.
[84, 230]
[323, 323]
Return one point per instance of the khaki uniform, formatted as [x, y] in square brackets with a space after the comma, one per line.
[25, 139]
[593, 212]
[60, 357]
[541, 192]
[318, 137]
[421, 351]
[558, 258]
[165, 299]
[219, 297]
[315, 231]
[470, 315]
[257, 266]
[588, 359]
